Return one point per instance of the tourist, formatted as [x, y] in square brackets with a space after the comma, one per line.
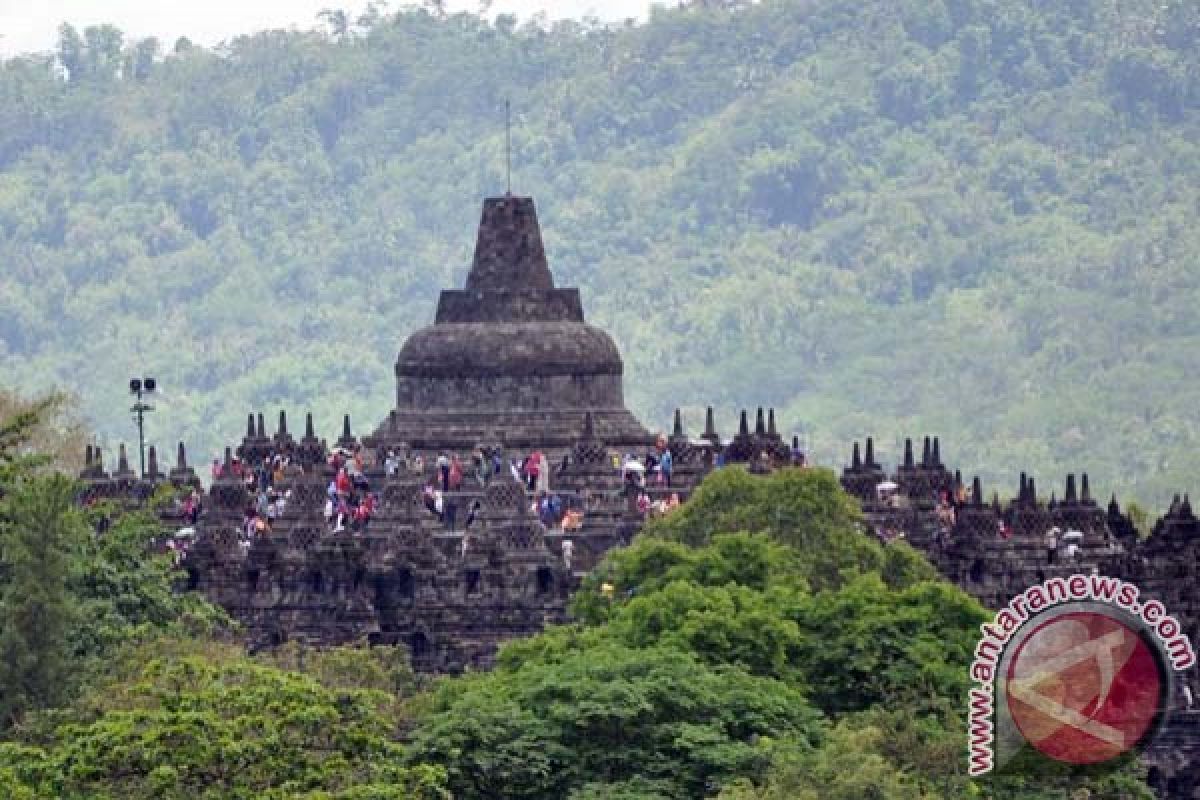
[343, 512]
[217, 469]
[456, 474]
[433, 500]
[665, 465]
[479, 467]
[443, 468]
[1051, 542]
[363, 512]
[532, 468]
[543, 481]
[449, 513]
[651, 464]
[391, 464]
[568, 550]
[471, 514]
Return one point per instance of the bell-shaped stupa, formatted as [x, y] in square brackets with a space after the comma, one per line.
[509, 358]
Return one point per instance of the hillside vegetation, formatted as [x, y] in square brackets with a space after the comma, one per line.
[975, 218]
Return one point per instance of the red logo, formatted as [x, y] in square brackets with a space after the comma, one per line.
[1084, 687]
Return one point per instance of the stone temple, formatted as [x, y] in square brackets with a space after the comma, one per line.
[510, 366]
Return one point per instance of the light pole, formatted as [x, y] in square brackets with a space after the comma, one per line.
[139, 387]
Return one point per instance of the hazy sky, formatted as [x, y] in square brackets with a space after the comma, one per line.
[27, 25]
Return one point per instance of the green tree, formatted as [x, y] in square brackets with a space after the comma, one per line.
[607, 715]
[182, 719]
[803, 508]
[39, 531]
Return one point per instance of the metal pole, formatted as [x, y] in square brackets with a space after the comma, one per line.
[507, 146]
[141, 435]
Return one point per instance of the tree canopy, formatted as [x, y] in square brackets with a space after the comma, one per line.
[964, 217]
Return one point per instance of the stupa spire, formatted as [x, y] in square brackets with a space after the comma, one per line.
[509, 254]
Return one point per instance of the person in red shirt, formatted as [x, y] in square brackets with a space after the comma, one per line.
[532, 470]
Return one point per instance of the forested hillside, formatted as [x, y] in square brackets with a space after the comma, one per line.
[976, 218]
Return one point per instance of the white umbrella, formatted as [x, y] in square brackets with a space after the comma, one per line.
[1076, 535]
[636, 466]
[887, 486]
[186, 533]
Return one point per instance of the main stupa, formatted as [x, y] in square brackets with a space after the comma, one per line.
[509, 358]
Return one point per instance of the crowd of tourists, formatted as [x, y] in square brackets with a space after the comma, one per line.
[350, 502]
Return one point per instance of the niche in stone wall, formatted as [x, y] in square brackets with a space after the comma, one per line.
[405, 585]
[251, 579]
[977, 571]
[317, 582]
[472, 579]
[418, 644]
[545, 580]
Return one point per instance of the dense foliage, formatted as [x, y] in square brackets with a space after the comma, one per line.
[69, 599]
[180, 720]
[969, 217]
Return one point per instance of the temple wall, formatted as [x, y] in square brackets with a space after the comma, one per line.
[509, 392]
